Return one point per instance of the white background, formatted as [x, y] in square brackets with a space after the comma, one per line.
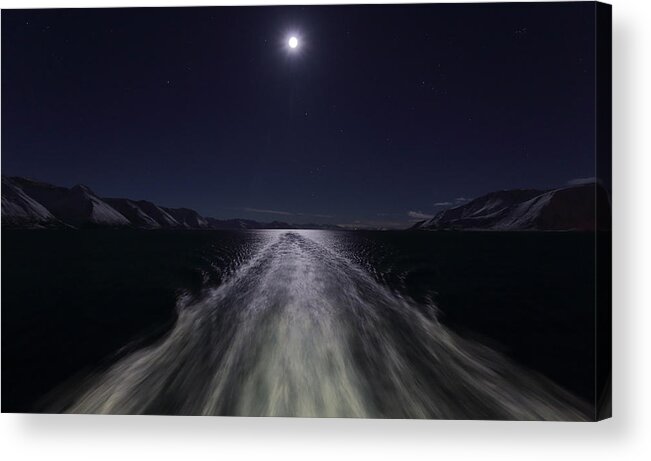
[626, 436]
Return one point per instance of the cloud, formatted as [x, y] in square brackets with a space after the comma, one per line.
[419, 215]
[579, 181]
[258, 210]
[287, 213]
[443, 204]
[460, 199]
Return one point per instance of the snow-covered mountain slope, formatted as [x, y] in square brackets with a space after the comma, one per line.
[19, 209]
[134, 212]
[569, 208]
[158, 214]
[483, 212]
[187, 218]
[78, 206]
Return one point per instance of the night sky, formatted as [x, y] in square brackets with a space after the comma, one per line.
[382, 114]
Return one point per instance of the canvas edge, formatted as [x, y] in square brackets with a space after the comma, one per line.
[603, 240]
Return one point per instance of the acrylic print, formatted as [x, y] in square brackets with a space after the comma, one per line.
[395, 211]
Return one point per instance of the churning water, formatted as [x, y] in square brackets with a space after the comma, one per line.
[301, 329]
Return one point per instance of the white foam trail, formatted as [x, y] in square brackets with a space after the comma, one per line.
[299, 330]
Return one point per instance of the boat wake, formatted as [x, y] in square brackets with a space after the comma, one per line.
[300, 330]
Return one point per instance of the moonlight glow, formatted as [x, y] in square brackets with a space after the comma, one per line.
[293, 42]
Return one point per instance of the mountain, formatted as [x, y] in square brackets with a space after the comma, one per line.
[27, 203]
[158, 214]
[77, 206]
[187, 218]
[568, 208]
[19, 209]
[142, 214]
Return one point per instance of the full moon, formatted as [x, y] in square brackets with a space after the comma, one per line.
[293, 42]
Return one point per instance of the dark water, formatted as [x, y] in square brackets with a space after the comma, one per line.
[307, 323]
